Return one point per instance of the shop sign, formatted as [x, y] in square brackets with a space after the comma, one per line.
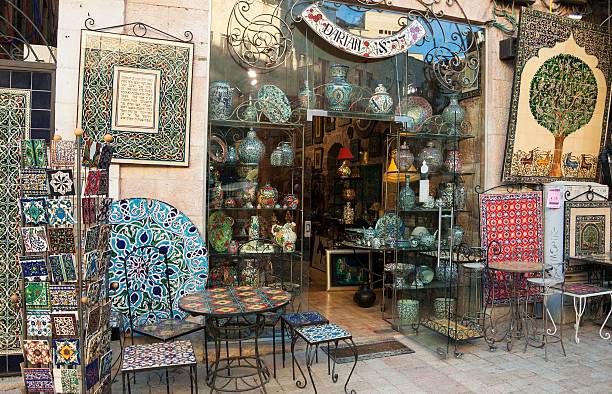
[362, 46]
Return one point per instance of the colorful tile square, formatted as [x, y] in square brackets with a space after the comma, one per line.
[68, 380]
[37, 295]
[104, 207]
[34, 210]
[33, 268]
[62, 154]
[33, 153]
[63, 268]
[158, 355]
[93, 320]
[38, 323]
[38, 380]
[34, 239]
[88, 210]
[67, 351]
[92, 265]
[106, 364]
[92, 238]
[65, 325]
[60, 212]
[92, 374]
[61, 182]
[91, 153]
[61, 240]
[63, 297]
[106, 156]
[37, 351]
[33, 182]
[94, 181]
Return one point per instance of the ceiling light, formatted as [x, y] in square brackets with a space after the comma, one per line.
[251, 73]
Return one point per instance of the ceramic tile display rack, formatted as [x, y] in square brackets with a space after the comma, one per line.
[64, 258]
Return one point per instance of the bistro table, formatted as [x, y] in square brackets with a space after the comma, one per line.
[235, 314]
[518, 319]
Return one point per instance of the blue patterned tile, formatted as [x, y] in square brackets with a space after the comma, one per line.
[323, 333]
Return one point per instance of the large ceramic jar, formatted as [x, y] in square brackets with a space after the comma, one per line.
[338, 90]
[220, 104]
[407, 197]
[276, 157]
[251, 149]
[444, 308]
[432, 155]
[268, 196]
[307, 96]
[453, 161]
[288, 154]
[405, 158]
[453, 115]
[381, 101]
[408, 311]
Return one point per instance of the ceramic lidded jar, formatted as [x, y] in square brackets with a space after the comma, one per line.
[251, 149]
[460, 195]
[447, 194]
[307, 96]
[276, 157]
[453, 115]
[405, 158]
[338, 90]
[432, 155]
[268, 196]
[249, 113]
[381, 101]
[220, 103]
[407, 197]
[349, 194]
[291, 201]
[288, 154]
[231, 157]
[453, 161]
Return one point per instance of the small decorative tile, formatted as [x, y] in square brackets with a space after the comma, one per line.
[37, 351]
[88, 210]
[34, 239]
[61, 240]
[106, 156]
[92, 186]
[106, 364]
[33, 153]
[63, 297]
[60, 212]
[33, 182]
[92, 265]
[37, 295]
[92, 374]
[34, 210]
[68, 380]
[65, 325]
[62, 154]
[158, 355]
[105, 261]
[104, 208]
[322, 333]
[91, 153]
[38, 323]
[93, 320]
[103, 184]
[104, 237]
[33, 268]
[92, 238]
[38, 380]
[61, 182]
[93, 292]
[67, 351]
[307, 318]
[105, 315]
[63, 268]
[98, 344]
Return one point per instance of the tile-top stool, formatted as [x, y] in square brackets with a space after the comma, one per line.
[159, 355]
[580, 292]
[292, 320]
[315, 336]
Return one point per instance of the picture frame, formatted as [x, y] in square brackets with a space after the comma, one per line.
[318, 159]
[329, 124]
[308, 134]
[586, 228]
[317, 130]
[347, 269]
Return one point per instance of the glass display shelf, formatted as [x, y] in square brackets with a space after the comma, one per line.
[256, 125]
[261, 166]
[433, 210]
[387, 248]
[256, 209]
[436, 284]
[212, 253]
[437, 136]
[310, 113]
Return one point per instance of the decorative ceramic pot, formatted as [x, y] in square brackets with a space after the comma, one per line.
[291, 201]
[338, 90]
[348, 194]
[456, 235]
[444, 308]
[220, 100]
[288, 154]
[405, 158]
[407, 198]
[381, 101]
[276, 157]
[400, 282]
[376, 243]
[254, 228]
[344, 171]
[368, 235]
[364, 297]
[348, 215]
[453, 161]
[419, 231]
[447, 194]
[408, 311]
[453, 115]
[231, 157]
[285, 236]
[268, 196]
[307, 96]
[251, 149]
[428, 241]
[425, 274]
[230, 202]
[216, 196]
[248, 195]
[432, 155]
[446, 271]
[249, 113]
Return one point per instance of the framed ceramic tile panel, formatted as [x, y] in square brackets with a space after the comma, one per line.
[139, 90]
[61, 240]
[587, 228]
[65, 325]
[559, 107]
[38, 380]
[347, 269]
[67, 351]
[62, 154]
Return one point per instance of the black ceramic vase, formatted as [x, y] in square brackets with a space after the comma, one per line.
[365, 297]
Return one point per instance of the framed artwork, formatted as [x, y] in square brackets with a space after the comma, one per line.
[317, 130]
[318, 159]
[587, 228]
[347, 268]
[139, 90]
[374, 145]
[355, 147]
[329, 124]
[559, 107]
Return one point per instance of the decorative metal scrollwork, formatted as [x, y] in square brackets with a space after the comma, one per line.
[139, 29]
[258, 40]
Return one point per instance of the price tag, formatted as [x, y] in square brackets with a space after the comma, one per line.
[553, 201]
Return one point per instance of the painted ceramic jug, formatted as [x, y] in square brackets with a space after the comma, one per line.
[453, 115]
[251, 149]
[285, 236]
[276, 157]
[381, 101]
[220, 104]
[338, 90]
[407, 197]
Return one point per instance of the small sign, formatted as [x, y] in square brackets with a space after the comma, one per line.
[553, 200]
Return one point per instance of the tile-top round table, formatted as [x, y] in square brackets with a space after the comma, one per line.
[235, 314]
[517, 319]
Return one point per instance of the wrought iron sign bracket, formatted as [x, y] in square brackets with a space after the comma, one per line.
[138, 29]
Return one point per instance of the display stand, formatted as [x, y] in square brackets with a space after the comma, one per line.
[65, 304]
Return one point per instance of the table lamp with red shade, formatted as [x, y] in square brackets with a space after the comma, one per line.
[345, 154]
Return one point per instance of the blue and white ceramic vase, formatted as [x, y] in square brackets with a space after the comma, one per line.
[338, 90]
[307, 96]
[288, 153]
[381, 101]
[220, 104]
[407, 197]
[453, 115]
[251, 149]
[276, 157]
[249, 113]
[231, 157]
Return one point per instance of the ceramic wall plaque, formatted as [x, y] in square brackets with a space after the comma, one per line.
[560, 97]
[587, 228]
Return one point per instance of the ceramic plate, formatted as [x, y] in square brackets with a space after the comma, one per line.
[417, 108]
[217, 150]
[275, 104]
[426, 274]
[390, 226]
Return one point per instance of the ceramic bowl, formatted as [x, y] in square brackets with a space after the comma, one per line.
[444, 306]
[408, 311]
[419, 232]
[425, 274]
